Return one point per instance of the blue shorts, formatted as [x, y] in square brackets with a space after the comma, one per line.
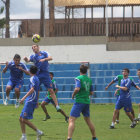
[126, 103]
[28, 110]
[80, 108]
[117, 97]
[45, 79]
[47, 100]
[15, 84]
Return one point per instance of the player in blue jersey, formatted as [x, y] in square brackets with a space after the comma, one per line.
[124, 100]
[118, 79]
[40, 59]
[31, 103]
[48, 100]
[83, 89]
[138, 119]
[16, 77]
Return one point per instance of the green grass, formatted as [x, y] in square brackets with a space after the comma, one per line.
[56, 128]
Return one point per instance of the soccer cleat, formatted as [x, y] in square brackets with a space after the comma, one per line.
[94, 139]
[6, 102]
[46, 118]
[117, 122]
[39, 134]
[17, 104]
[23, 138]
[133, 125]
[112, 127]
[67, 119]
[137, 119]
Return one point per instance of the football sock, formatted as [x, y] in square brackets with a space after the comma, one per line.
[112, 124]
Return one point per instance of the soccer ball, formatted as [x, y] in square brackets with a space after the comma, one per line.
[36, 38]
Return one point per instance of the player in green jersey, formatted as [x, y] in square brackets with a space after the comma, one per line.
[49, 99]
[83, 89]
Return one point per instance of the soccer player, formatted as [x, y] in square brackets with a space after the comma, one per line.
[118, 79]
[16, 77]
[40, 59]
[124, 100]
[83, 89]
[48, 99]
[138, 73]
[30, 104]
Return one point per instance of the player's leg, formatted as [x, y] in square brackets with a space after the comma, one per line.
[71, 127]
[26, 114]
[46, 80]
[23, 130]
[54, 98]
[133, 113]
[45, 102]
[128, 109]
[74, 114]
[18, 85]
[86, 114]
[17, 93]
[9, 87]
[91, 127]
[118, 106]
[117, 117]
[139, 111]
[62, 112]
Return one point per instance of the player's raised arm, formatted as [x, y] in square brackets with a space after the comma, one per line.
[112, 82]
[5, 68]
[26, 59]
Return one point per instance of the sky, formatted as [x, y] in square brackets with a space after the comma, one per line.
[30, 9]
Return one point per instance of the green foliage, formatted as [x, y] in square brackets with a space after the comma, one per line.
[56, 127]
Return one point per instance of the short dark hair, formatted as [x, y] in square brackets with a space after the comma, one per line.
[33, 69]
[83, 69]
[51, 73]
[17, 56]
[126, 69]
[138, 70]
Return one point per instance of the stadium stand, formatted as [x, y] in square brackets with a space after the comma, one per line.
[64, 75]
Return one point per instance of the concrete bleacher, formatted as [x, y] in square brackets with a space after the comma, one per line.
[64, 75]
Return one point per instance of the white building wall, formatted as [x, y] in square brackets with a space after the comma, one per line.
[74, 53]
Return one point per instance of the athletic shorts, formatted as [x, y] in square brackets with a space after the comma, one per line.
[28, 110]
[125, 103]
[45, 79]
[15, 84]
[80, 108]
[47, 100]
[117, 97]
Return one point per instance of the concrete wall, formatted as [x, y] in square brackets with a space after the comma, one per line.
[74, 49]
[73, 53]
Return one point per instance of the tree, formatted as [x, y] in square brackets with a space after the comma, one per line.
[7, 7]
[42, 13]
[2, 21]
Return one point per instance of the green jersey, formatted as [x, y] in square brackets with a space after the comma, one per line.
[54, 88]
[119, 78]
[85, 87]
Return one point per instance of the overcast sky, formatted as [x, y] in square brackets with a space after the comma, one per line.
[30, 9]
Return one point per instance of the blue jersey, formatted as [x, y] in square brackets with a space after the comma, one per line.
[16, 73]
[126, 83]
[34, 82]
[42, 66]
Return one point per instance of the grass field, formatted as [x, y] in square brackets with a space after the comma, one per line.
[56, 127]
